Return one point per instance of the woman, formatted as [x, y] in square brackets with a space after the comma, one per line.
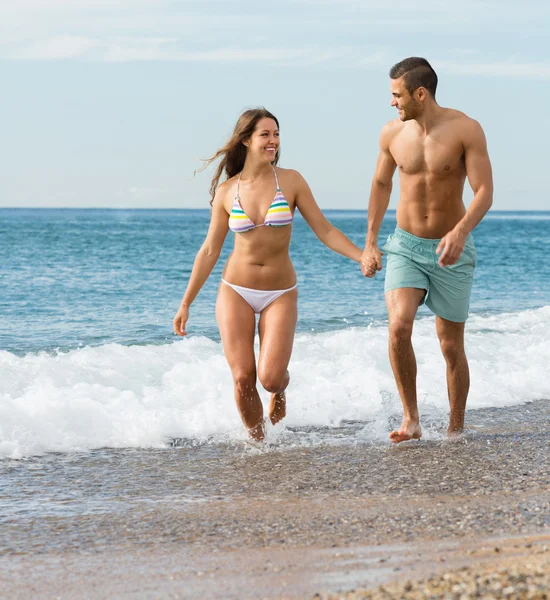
[257, 202]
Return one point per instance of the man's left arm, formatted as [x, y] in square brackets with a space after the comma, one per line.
[480, 176]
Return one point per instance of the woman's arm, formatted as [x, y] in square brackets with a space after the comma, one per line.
[205, 260]
[332, 237]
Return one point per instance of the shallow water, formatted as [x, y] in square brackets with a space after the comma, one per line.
[184, 493]
[144, 396]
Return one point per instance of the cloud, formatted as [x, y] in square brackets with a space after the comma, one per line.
[221, 22]
[59, 47]
[132, 51]
[128, 49]
[437, 16]
[295, 33]
[27, 21]
[172, 49]
[527, 70]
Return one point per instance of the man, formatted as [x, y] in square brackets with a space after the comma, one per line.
[431, 254]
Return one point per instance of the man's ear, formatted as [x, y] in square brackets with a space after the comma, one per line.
[421, 93]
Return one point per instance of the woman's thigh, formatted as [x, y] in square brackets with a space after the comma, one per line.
[237, 323]
[277, 327]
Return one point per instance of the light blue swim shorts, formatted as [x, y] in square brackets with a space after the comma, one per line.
[413, 263]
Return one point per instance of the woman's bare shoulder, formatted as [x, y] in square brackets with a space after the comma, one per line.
[290, 176]
[225, 193]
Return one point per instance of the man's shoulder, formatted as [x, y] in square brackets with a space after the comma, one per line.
[393, 126]
[390, 130]
[462, 127]
[460, 119]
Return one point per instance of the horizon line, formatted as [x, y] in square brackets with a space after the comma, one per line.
[207, 209]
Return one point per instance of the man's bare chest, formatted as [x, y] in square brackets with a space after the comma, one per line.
[431, 156]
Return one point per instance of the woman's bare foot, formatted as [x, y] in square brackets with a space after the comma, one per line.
[258, 432]
[409, 430]
[277, 407]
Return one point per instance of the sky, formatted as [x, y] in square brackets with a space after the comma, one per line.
[114, 104]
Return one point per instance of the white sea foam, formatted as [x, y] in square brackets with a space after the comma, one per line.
[140, 396]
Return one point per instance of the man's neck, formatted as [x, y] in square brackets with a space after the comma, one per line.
[430, 117]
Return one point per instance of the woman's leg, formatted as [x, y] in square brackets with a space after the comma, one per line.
[237, 322]
[277, 327]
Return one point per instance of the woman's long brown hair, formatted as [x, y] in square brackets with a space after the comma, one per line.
[233, 154]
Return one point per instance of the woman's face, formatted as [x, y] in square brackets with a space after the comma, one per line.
[264, 142]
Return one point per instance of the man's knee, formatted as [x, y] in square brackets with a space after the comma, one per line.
[400, 331]
[452, 349]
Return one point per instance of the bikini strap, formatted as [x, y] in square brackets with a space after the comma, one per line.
[276, 180]
[237, 197]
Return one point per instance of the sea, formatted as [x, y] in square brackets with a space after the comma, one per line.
[88, 359]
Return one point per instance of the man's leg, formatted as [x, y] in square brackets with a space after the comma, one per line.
[451, 338]
[402, 305]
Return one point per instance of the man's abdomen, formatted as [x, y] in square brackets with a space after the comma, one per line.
[430, 207]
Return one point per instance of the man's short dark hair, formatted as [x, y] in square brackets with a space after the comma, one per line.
[416, 72]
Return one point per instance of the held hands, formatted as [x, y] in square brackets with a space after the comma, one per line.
[371, 261]
[180, 320]
[450, 247]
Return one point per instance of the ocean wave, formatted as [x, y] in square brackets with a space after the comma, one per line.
[143, 396]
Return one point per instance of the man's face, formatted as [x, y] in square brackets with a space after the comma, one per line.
[407, 106]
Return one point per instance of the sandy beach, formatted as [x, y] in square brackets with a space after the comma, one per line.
[523, 575]
[211, 522]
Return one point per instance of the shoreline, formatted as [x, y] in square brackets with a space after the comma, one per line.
[221, 522]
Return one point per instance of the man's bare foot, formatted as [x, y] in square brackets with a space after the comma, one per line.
[407, 431]
[277, 407]
[456, 423]
[455, 432]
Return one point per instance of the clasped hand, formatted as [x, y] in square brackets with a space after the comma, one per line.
[371, 261]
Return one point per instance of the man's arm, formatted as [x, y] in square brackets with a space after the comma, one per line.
[480, 176]
[371, 260]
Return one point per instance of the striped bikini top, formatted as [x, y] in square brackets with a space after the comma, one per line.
[277, 215]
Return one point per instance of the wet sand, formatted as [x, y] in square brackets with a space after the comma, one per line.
[511, 569]
[216, 521]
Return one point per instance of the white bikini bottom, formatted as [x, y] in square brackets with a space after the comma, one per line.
[258, 299]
